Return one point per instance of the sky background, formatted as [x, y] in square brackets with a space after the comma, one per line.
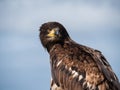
[24, 63]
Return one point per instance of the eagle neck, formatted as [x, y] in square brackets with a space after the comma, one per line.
[57, 44]
[52, 46]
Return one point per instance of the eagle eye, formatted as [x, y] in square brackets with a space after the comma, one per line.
[56, 31]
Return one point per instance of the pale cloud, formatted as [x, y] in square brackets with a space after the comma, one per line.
[26, 15]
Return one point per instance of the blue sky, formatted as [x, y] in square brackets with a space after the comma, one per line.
[24, 63]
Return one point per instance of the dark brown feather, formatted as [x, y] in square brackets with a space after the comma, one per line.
[95, 70]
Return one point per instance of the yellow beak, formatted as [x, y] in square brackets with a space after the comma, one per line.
[52, 33]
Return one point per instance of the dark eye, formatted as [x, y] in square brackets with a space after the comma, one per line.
[57, 31]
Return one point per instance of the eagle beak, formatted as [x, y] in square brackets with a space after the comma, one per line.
[53, 33]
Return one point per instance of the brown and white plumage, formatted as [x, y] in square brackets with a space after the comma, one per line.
[74, 66]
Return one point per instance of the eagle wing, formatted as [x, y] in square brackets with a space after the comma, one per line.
[77, 67]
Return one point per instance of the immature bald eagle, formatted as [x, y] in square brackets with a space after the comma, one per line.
[74, 66]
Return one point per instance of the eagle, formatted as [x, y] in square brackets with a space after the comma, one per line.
[75, 66]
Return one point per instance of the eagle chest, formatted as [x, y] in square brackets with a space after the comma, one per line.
[62, 69]
[79, 70]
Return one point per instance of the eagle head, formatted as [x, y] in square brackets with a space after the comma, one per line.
[52, 33]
